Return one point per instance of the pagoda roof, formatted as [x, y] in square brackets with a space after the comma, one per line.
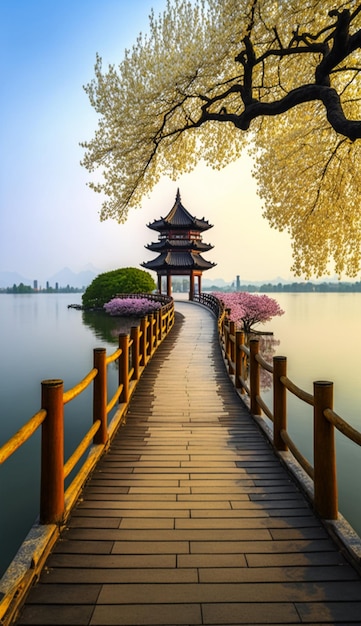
[179, 244]
[179, 218]
[178, 261]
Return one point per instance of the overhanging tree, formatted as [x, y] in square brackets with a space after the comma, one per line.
[213, 77]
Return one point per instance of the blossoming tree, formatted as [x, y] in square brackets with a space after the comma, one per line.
[248, 309]
[208, 71]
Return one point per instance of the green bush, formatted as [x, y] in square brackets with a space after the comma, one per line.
[106, 286]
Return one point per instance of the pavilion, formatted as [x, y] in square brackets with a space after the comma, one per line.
[179, 247]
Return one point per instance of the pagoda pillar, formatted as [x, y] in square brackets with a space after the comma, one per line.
[160, 284]
[191, 286]
[199, 284]
[169, 284]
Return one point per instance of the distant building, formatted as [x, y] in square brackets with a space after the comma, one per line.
[35, 285]
[238, 284]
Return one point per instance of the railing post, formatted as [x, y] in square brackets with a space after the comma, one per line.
[254, 376]
[160, 328]
[161, 325]
[124, 367]
[150, 334]
[226, 332]
[100, 395]
[52, 453]
[279, 402]
[324, 453]
[231, 359]
[170, 318]
[134, 333]
[223, 330]
[239, 358]
[143, 341]
[156, 328]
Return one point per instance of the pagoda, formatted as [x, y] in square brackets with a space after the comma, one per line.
[179, 246]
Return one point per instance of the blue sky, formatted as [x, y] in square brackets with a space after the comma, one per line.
[48, 216]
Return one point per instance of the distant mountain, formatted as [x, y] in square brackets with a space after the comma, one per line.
[66, 276]
[8, 279]
[218, 282]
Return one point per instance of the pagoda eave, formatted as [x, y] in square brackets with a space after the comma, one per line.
[185, 262]
[178, 244]
[164, 226]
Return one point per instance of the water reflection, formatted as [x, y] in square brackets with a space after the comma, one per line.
[268, 346]
[107, 327]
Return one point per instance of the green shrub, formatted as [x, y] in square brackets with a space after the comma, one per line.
[106, 286]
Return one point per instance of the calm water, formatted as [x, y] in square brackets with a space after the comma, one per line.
[41, 338]
[320, 336]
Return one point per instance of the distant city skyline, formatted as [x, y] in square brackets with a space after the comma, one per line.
[67, 277]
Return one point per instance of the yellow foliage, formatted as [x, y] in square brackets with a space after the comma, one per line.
[179, 95]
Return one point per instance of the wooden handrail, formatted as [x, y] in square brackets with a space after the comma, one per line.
[113, 357]
[112, 402]
[80, 387]
[262, 405]
[266, 366]
[325, 419]
[22, 435]
[344, 427]
[297, 454]
[81, 449]
[297, 391]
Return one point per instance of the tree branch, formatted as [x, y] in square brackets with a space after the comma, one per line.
[331, 56]
[306, 93]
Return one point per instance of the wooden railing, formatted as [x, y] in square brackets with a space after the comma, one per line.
[244, 366]
[133, 354]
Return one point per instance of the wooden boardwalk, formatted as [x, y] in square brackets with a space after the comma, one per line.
[190, 518]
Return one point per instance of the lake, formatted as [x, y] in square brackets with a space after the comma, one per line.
[320, 336]
[41, 338]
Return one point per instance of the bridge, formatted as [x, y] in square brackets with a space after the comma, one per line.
[191, 517]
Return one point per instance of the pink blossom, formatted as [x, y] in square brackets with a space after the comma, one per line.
[248, 309]
[131, 307]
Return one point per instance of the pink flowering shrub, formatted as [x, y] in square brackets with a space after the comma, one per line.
[131, 307]
[248, 309]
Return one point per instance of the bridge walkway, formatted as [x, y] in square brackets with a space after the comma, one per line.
[190, 518]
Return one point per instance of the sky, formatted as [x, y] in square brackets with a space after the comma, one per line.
[49, 218]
